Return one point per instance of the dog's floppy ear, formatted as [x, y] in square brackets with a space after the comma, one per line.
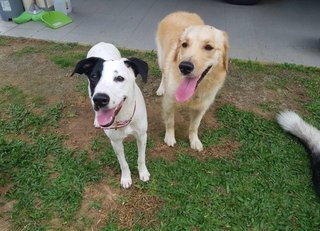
[176, 52]
[139, 67]
[86, 65]
[226, 50]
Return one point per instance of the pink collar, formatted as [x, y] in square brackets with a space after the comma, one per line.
[121, 124]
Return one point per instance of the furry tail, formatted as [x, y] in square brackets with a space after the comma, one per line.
[310, 137]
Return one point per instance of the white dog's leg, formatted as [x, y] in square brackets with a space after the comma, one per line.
[125, 171]
[195, 119]
[168, 115]
[160, 90]
[141, 143]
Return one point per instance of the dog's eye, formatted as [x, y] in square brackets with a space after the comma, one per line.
[184, 45]
[208, 47]
[119, 78]
[93, 76]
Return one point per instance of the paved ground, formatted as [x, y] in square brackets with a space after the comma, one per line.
[274, 30]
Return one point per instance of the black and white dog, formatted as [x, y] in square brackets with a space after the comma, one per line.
[118, 102]
[309, 136]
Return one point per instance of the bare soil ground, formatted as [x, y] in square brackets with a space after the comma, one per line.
[37, 75]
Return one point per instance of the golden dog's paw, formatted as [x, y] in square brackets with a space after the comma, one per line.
[196, 144]
[169, 139]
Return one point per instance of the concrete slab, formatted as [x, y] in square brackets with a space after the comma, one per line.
[272, 31]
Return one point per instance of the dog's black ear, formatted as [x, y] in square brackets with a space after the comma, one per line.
[86, 66]
[139, 67]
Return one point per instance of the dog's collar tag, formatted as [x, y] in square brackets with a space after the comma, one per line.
[121, 124]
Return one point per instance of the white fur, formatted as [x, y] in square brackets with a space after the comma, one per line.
[103, 50]
[117, 91]
[293, 123]
[106, 51]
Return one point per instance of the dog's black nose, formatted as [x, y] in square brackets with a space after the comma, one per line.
[100, 100]
[186, 67]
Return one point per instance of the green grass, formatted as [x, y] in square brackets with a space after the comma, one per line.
[266, 187]
[62, 54]
[313, 105]
[254, 66]
[263, 184]
[17, 117]
[82, 87]
[69, 60]
[25, 51]
[3, 41]
[45, 178]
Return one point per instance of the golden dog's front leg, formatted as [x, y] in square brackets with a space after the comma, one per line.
[195, 119]
[160, 90]
[168, 116]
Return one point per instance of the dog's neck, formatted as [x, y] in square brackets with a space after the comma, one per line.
[122, 123]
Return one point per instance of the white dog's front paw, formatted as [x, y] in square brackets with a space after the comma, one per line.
[126, 182]
[196, 144]
[144, 175]
[169, 139]
[160, 91]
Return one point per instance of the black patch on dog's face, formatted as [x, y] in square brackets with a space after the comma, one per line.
[92, 67]
[95, 76]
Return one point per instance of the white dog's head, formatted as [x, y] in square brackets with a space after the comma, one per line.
[111, 83]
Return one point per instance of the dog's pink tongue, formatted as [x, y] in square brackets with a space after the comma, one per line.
[186, 89]
[105, 117]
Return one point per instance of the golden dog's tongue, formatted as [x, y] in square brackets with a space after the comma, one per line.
[186, 89]
[105, 117]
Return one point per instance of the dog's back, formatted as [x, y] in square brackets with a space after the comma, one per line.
[169, 31]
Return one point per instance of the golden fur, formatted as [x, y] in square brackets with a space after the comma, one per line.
[183, 36]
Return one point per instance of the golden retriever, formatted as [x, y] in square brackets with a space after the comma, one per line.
[193, 58]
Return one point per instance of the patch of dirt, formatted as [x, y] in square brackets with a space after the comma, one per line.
[5, 224]
[224, 150]
[79, 129]
[5, 208]
[251, 91]
[98, 201]
[101, 202]
[161, 150]
[140, 208]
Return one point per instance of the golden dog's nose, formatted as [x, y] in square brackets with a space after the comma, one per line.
[186, 67]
